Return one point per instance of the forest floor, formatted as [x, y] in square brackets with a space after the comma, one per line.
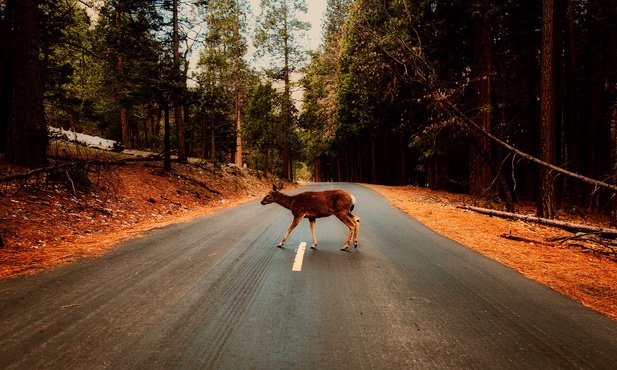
[51, 222]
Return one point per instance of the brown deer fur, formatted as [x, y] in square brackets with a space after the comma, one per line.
[316, 204]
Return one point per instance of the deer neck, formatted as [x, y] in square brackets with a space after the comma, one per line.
[284, 200]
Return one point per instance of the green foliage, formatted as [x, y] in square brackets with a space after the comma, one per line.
[263, 119]
[277, 35]
[65, 52]
[222, 70]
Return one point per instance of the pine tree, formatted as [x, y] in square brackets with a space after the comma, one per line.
[277, 36]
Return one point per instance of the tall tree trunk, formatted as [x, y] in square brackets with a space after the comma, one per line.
[402, 171]
[286, 173]
[238, 158]
[27, 132]
[373, 161]
[181, 143]
[204, 139]
[167, 162]
[267, 163]
[188, 129]
[124, 120]
[480, 174]
[6, 21]
[213, 141]
[546, 189]
[571, 124]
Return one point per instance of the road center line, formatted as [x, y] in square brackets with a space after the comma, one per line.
[299, 257]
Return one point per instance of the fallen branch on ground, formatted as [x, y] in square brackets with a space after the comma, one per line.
[606, 233]
[198, 183]
[591, 245]
[608, 249]
[519, 238]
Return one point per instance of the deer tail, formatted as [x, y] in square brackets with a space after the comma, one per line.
[353, 202]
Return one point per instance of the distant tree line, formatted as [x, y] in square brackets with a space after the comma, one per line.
[539, 75]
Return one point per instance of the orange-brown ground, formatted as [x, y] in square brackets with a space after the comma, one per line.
[48, 224]
[587, 278]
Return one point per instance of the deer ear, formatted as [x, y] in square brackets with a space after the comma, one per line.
[273, 187]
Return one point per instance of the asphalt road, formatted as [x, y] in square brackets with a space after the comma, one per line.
[217, 293]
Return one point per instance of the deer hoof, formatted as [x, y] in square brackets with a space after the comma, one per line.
[344, 249]
[280, 246]
[313, 247]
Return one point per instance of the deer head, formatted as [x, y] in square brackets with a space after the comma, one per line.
[273, 195]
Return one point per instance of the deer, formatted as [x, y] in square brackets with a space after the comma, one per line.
[317, 204]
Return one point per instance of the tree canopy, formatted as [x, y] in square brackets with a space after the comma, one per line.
[448, 94]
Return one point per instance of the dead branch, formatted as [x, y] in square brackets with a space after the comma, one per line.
[470, 123]
[606, 233]
[606, 249]
[563, 239]
[198, 183]
[519, 238]
[49, 169]
[74, 164]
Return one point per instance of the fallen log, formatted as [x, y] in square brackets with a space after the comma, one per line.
[573, 227]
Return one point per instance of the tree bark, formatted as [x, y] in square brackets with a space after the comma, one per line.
[124, 120]
[181, 143]
[572, 129]
[546, 187]
[27, 131]
[213, 141]
[480, 174]
[238, 160]
[286, 172]
[6, 21]
[167, 163]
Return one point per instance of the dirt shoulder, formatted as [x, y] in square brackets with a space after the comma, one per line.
[586, 278]
[49, 222]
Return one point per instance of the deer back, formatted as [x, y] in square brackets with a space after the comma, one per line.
[321, 203]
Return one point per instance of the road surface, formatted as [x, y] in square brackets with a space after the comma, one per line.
[217, 293]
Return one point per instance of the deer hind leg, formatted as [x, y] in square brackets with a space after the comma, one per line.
[293, 225]
[351, 224]
[356, 221]
[312, 223]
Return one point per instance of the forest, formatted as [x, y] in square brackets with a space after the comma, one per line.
[511, 100]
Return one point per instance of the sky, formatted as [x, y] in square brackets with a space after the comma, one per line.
[316, 9]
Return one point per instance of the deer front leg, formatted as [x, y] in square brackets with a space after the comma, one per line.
[293, 225]
[312, 223]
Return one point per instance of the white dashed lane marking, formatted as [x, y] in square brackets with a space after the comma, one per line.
[299, 257]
